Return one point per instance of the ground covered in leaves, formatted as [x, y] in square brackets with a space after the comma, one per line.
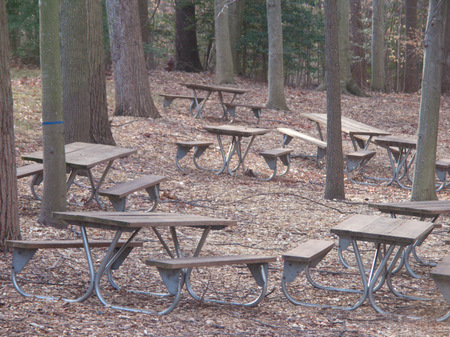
[272, 217]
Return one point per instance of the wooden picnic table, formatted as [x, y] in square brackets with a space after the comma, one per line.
[210, 89]
[81, 157]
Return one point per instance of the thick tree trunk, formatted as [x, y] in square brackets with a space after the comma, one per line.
[100, 127]
[277, 99]
[224, 59]
[359, 66]
[75, 71]
[235, 21]
[187, 56]
[411, 78]
[54, 193]
[378, 78]
[334, 188]
[133, 96]
[9, 216]
[424, 187]
[446, 65]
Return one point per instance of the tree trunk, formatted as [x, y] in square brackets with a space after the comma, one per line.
[133, 96]
[446, 65]
[143, 23]
[54, 192]
[335, 168]
[378, 78]
[224, 59]
[9, 214]
[277, 99]
[75, 71]
[100, 127]
[424, 187]
[411, 77]
[187, 56]
[235, 21]
[359, 66]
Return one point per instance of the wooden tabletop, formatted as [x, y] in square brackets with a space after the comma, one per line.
[382, 229]
[133, 220]
[396, 141]
[208, 87]
[86, 155]
[236, 130]
[415, 208]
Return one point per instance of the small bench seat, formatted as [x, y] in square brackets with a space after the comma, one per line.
[169, 98]
[441, 276]
[183, 148]
[172, 272]
[271, 157]
[231, 109]
[357, 159]
[289, 134]
[118, 193]
[36, 170]
[442, 168]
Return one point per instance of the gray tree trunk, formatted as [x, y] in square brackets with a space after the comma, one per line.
[334, 188]
[133, 96]
[224, 59]
[411, 77]
[9, 216]
[277, 99]
[235, 21]
[446, 67]
[378, 78]
[54, 192]
[75, 71]
[424, 175]
[358, 66]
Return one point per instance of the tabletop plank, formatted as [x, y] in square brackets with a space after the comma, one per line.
[236, 130]
[417, 208]
[207, 87]
[396, 141]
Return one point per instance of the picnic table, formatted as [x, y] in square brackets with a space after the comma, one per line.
[81, 157]
[209, 90]
[237, 133]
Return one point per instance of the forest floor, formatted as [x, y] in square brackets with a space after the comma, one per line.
[272, 217]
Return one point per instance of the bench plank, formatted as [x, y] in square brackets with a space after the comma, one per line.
[309, 251]
[54, 244]
[126, 188]
[191, 262]
[29, 170]
[295, 134]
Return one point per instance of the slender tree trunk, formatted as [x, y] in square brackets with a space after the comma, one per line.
[335, 168]
[143, 23]
[424, 187]
[411, 78]
[446, 65]
[359, 66]
[100, 127]
[54, 193]
[75, 71]
[277, 99]
[9, 216]
[224, 59]
[378, 81]
[235, 21]
[133, 96]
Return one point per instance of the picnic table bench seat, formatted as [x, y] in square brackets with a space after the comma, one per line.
[441, 276]
[271, 156]
[169, 98]
[117, 194]
[355, 160]
[36, 170]
[24, 250]
[183, 148]
[289, 134]
[231, 109]
[442, 168]
[171, 271]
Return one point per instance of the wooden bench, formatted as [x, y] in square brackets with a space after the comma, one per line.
[171, 271]
[357, 159]
[183, 148]
[441, 276]
[271, 157]
[289, 134]
[24, 250]
[36, 170]
[442, 168]
[118, 193]
[168, 99]
[231, 109]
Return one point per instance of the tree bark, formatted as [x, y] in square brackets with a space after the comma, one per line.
[143, 23]
[235, 21]
[75, 71]
[334, 188]
[359, 66]
[9, 214]
[378, 78]
[187, 56]
[277, 99]
[411, 78]
[224, 60]
[133, 96]
[54, 192]
[424, 187]
[446, 67]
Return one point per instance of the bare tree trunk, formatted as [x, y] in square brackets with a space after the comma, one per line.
[9, 214]
[277, 99]
[424, 187]
[224, 59]
[235, 21]
[335, 168]
[411, 78]
[446, 66]
[378, 79]
[143, 23]
[359, 66]
[100, 127]
[133, 96]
